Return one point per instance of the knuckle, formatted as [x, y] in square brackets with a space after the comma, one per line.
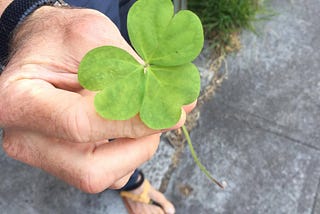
[91, 179]
[7, 115]
[132, 132]
[128, 130]
[90, 22]
[86, 186]
[76, 125]
[12, 148]
[87, 182]
[135, 128]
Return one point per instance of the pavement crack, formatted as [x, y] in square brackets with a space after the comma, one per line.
[289, 138]
[313, 210]
[258, 122]
[253, 115]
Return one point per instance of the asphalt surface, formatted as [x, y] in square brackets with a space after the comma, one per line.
[259, 133]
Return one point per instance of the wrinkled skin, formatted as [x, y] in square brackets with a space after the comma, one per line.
[49, 120]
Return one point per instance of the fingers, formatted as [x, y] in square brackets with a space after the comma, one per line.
[36, 105]
[31, 98]
[88, 167]
[188, 108]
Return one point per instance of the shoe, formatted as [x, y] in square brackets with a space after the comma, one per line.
[141, 203]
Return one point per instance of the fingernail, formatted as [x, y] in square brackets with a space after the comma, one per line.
[170, 211]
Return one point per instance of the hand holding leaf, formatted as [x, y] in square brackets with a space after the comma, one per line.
[165, 82]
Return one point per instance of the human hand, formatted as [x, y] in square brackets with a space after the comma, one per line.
[49, 120]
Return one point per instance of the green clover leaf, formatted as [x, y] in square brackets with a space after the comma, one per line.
[159, 88]
[160, 37]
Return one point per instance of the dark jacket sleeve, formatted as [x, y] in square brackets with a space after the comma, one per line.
[116, 10]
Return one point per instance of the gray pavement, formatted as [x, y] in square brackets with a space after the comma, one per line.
[260, 133]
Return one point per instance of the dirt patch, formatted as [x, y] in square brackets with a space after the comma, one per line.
[185, 189]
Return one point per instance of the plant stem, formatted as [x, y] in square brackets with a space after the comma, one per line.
[196, 159]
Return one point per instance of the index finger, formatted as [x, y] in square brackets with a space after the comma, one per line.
[37, 105]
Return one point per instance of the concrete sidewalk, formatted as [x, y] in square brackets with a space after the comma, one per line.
[260, 133]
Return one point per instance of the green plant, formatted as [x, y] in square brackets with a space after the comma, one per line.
[167, 80]
[221, 18]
